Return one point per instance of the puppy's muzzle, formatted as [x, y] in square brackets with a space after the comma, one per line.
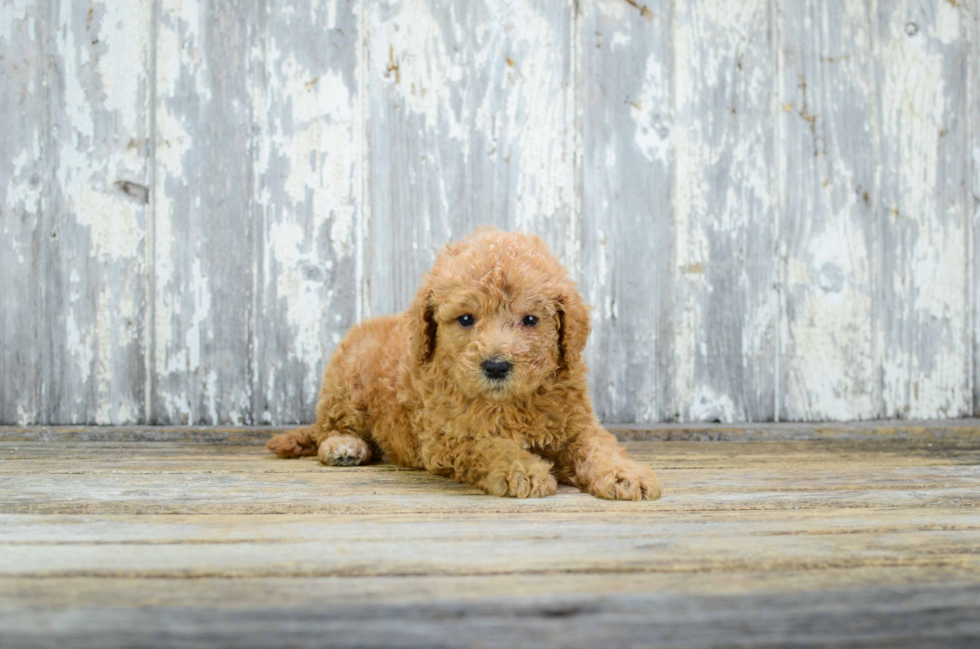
[495, 369]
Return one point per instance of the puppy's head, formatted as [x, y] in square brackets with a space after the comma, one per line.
[498, 316]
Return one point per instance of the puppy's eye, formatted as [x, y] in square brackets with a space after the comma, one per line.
[466, 321]
[530, 321]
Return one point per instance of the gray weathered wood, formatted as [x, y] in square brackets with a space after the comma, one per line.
[96, 153]
[200, 196]
[828, 128]
[923, 209]
[895, 616]
[974, 203]
[305, 104]
[108, 541]
[202, 200]
[22, 227]
[725, 270]
[470, 122]
[624, 84]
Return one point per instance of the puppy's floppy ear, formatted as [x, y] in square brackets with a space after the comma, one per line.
[423, 326]
[573, 328]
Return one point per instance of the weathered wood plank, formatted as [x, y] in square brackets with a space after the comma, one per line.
[624, 95]
[470, 122]
[907, 616]
[827, 94]
[97, 205]
[221, 454]
[684, 461]
[903, 616]
[365, 492]
[949, 430]
[203, 196]
[349, 547]
[217, 594]
[717, 478]
[974, 112]
[22, 182]
[923, 210]
[306, 100]
[725, 270]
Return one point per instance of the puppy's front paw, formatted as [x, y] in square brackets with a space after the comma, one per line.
[627, 482]
[522, 480]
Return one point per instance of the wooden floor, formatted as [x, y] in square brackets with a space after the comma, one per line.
[773, 535]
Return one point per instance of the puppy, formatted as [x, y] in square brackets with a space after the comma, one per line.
[481, 380]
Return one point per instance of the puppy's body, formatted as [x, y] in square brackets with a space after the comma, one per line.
[481, 379]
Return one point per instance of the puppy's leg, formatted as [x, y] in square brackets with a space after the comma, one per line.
[500, 467]
[595, 461]
[299, 442]
[344, 450]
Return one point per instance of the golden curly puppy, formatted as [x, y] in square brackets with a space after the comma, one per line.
[481, 379]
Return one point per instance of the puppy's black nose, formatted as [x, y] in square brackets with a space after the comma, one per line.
[496, 370]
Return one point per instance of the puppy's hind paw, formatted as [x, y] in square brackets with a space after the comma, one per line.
[344, 450]
[294, 443]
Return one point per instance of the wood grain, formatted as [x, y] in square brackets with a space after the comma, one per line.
[23, 180]
[923, 211]
[305, 101]
[470, 122]
[828, 130]
[855, 542]
[724, 272]
[203, 196]
[772, 206]
[974, 112]
[97, 153]
[624, 85]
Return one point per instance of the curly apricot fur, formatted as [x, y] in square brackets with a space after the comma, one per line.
[412, 386]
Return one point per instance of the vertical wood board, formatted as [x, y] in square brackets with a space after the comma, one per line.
[725, 271]
[305, 102]
[627, 228]
[22, 232]
[95, 211]
[924, 208]
[203, 238]
[827, 122]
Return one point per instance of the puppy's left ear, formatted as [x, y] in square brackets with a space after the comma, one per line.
[423, 325]
[574, 327]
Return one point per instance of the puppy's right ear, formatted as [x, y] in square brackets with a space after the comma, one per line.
[423, 324]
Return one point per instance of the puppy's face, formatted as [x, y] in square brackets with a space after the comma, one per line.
[497, 343]
[497, 316]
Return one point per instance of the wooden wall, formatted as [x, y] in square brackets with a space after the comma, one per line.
[771, 204]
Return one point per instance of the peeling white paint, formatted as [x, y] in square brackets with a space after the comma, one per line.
[503, 80]
[648, 111]
[298, 295]
[708, 405]
[21, 192]
[13, 12]
[931, 377]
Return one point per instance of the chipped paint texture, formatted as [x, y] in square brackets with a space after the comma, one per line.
[827, 118]
[772, 206]
[924, 211]
[469, 123]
